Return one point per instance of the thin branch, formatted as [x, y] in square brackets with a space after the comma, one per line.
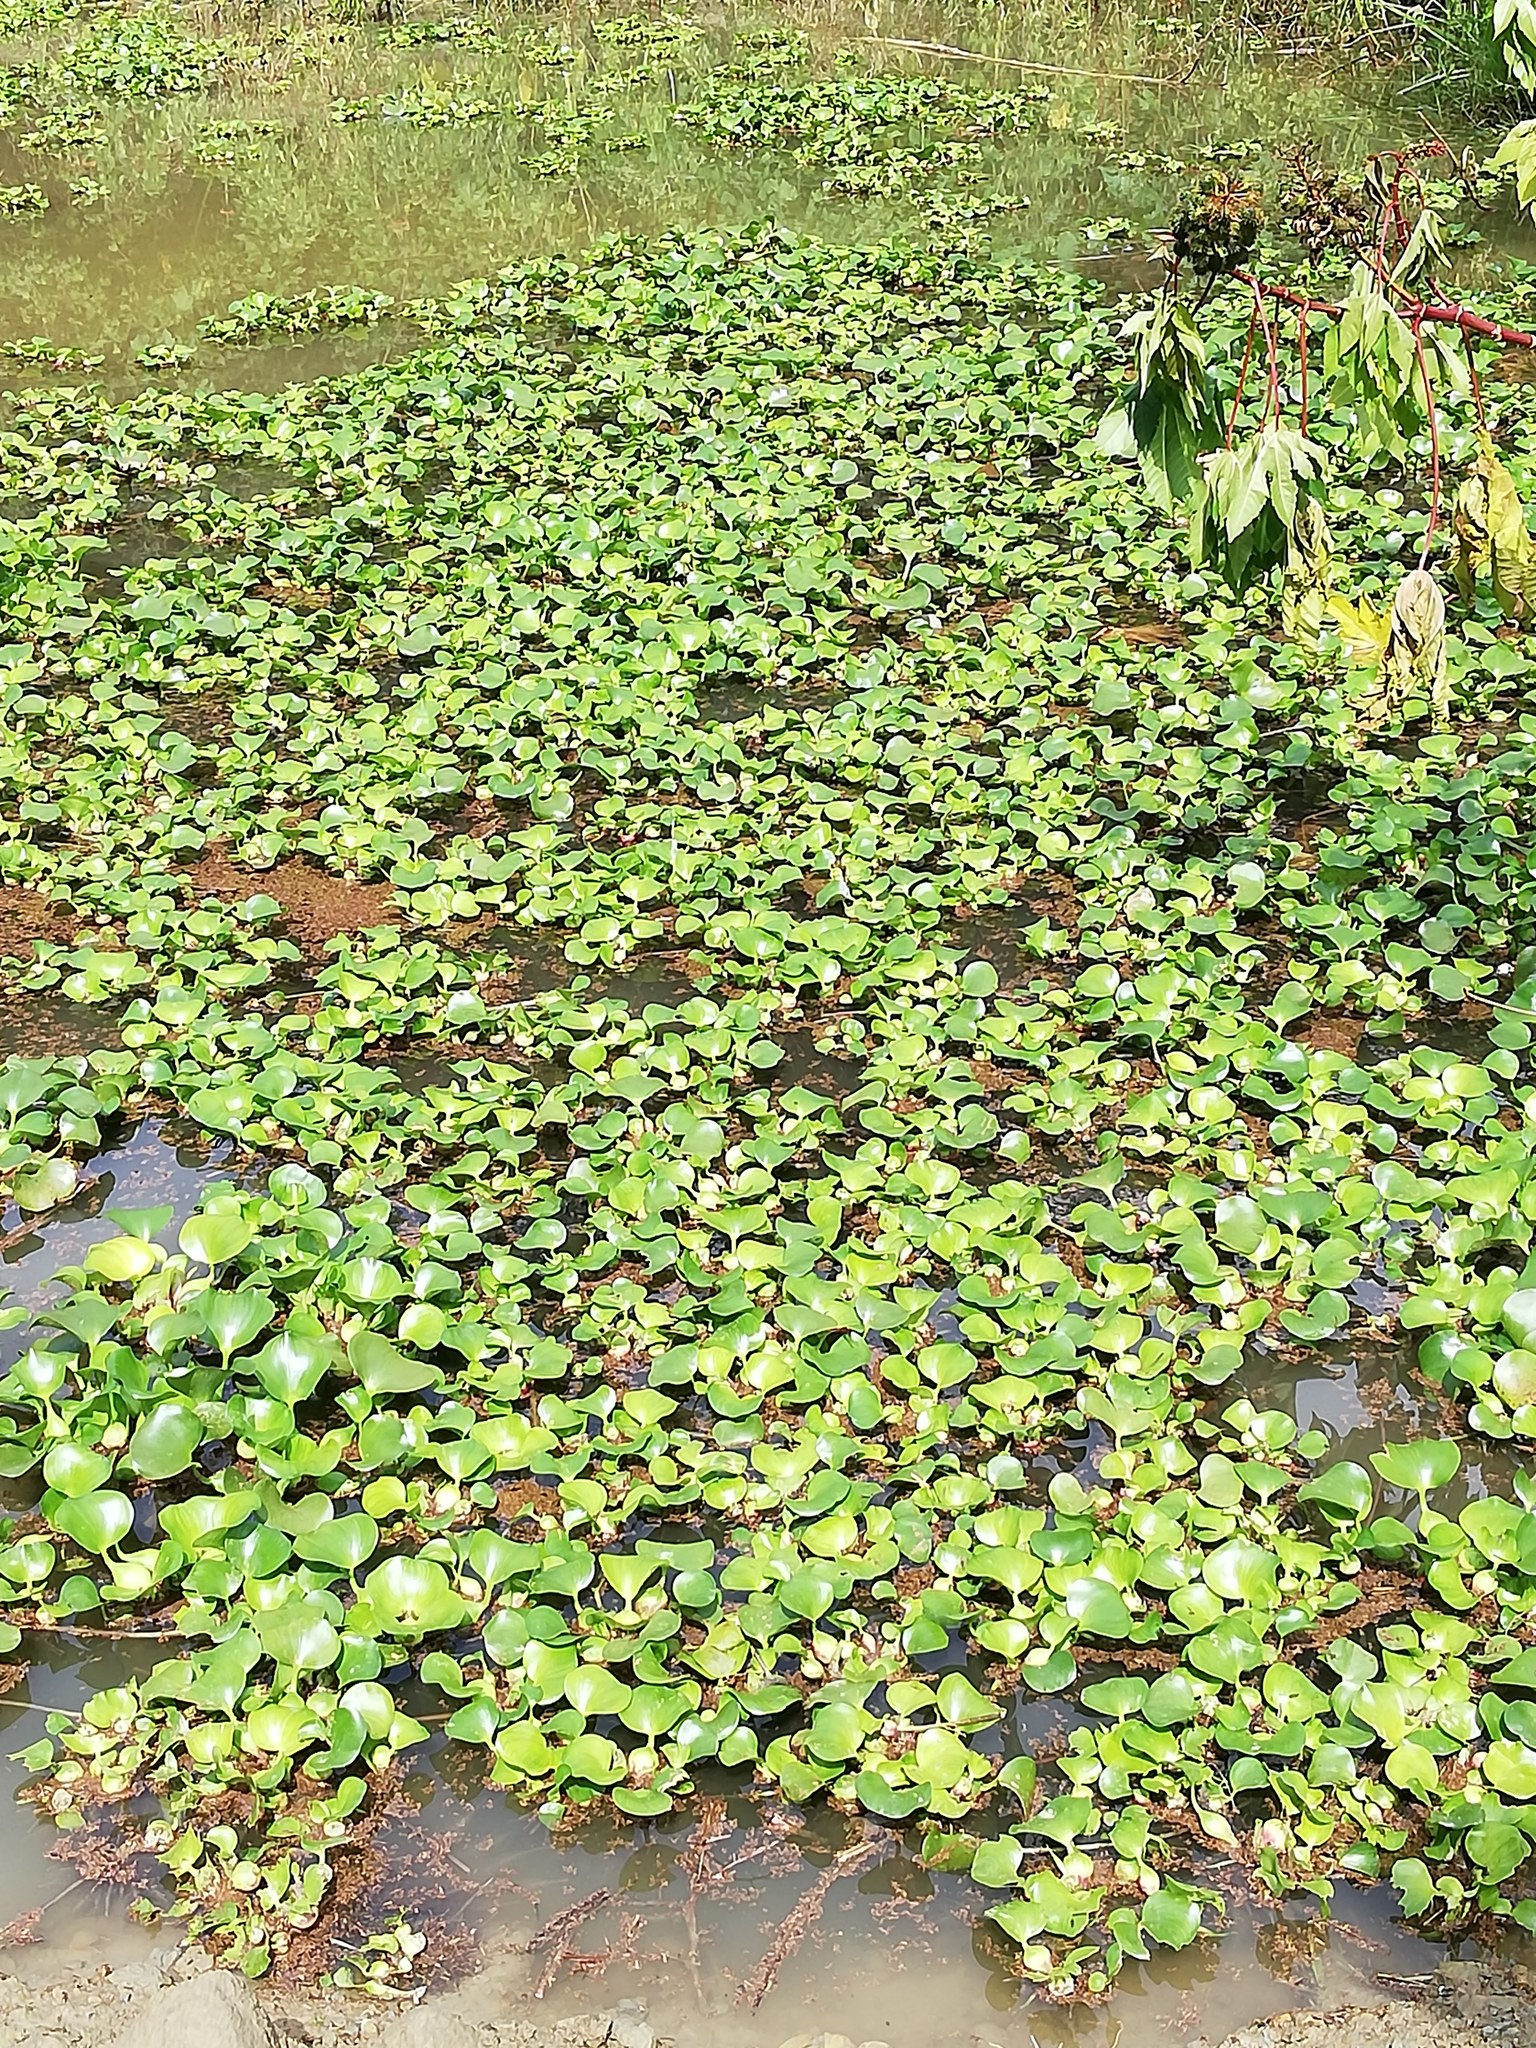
[802, 1918]
[1434, 446]
[1477, 382]
[555, 1934]
[1301, 342]
[1242, 375]
[1019, 64]
[1272, 351]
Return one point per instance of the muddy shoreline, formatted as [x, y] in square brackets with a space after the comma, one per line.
[173, 1997]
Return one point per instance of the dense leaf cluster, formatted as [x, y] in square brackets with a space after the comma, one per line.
[793, 994]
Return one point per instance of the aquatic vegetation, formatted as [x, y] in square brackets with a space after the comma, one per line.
[468, 31]
[49, 355]
[424, 106]
[265, 313]
[163, 355]
[848, 117]
[17, 200]
[878, 137]
[802, 1007]
[645, 31]
[230, 142]
[64, 128]
[144, 54]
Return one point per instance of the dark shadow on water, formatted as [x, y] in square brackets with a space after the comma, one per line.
[139, 543]
[160, 1160]
[1365, 1392]
[522, 965]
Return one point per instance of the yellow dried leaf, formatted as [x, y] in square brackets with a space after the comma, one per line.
[1361, 627]
[1469, 523]
[1489, 524]
[1305, 594]
[1413, 660]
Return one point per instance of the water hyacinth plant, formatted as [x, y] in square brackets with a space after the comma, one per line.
[803, 1015]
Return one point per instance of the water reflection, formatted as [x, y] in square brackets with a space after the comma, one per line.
[684, 1915]
[408, 209]
[161, 1160]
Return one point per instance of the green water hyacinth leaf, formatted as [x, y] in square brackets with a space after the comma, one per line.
[165, 1441]
[1173, 1915]
[1418, 1467]
[96, 1521]
[292, 1366]
[412, 1597]
[1498, 1850]
[1097, 1608]
[653, 1710]
[72, 1470]
[809, 1593]
[346, 1542]
[1242, 1572]
[1118, 1697]
[1510, 1767]
[877, 1795]
[837, 1732]
[383, 1369]
[642, 1802]
[1518, 1315]
[593, 1690]
[121, 1260]
[629, 1576]
[1343, 1492]
[215, 1238]
[1172, 1700]
[1051, 1672]
[1063, 1820]
[300, 1635]
[1226, 1651]
[996, 1863]
[1514, 1378]
[87, 1317]
[233, 1320]
[47, 1185]
[962, 1705]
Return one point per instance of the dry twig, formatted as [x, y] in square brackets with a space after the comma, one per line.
[555, 1934]
[800, 1922]
[1020, 64]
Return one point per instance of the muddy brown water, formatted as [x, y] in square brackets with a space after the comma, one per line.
[404, 209]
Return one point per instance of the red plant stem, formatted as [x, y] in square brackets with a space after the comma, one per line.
[1301, 340]
[1242, 375]
[1434, 446]
[1446, 316]
[1381, 239]
[1272, 351]
[1477, 382]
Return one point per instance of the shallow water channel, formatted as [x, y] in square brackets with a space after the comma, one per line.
[684, 1913]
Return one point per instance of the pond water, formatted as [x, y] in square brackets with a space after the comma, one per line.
[307, 201]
